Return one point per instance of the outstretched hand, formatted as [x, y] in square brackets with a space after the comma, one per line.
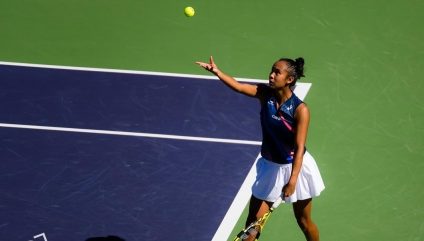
[211, 66]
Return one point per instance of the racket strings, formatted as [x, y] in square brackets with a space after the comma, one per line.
[254, 228]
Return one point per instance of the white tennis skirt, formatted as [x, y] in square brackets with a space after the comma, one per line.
[271, 178]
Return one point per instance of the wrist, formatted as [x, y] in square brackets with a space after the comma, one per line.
[216, 71]
[293, 180]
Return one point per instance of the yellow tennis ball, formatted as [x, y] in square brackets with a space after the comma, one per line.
[189, 11]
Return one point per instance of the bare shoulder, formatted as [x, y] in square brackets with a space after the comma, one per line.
[263, 92]
[302, 112]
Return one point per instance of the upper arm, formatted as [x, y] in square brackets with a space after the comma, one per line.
[302, 123]
[259, 91]
[248, 89]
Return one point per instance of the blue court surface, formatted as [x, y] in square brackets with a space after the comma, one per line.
[88, 153]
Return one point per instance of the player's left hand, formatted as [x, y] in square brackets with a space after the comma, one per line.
[211, 66]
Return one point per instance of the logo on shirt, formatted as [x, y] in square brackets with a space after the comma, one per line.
[275, 117]
[289, 108]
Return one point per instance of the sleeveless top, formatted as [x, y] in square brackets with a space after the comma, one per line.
[278, 135]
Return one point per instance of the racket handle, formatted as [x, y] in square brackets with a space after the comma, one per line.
[277, 203]
[253, 231]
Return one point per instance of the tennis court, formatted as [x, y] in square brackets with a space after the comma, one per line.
[92, 177]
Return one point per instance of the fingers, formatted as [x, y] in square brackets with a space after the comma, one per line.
[209, 67]
[202, 64]
[206, 66]
[288, 190]
[285, 193]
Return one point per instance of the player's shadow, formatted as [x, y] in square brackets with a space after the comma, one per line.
[108, 238]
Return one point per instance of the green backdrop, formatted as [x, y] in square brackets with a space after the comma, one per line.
[363, 57]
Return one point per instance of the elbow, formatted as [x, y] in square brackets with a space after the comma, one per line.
[300, 149]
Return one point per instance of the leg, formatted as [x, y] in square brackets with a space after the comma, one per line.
[257, 208]
[302, 211]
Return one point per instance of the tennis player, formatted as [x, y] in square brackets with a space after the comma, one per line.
[285, 167]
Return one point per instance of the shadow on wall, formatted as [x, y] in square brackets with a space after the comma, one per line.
[108, 238]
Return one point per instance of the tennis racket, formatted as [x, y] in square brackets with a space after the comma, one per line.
[258, 225]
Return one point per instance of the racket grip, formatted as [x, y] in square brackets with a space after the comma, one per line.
[253, 231]
[277, 203]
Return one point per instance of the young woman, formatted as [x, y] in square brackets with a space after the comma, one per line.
[285, 168]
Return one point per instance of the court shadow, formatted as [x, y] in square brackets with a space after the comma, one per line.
[108, 238]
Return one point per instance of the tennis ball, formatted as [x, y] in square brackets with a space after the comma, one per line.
[189, 11]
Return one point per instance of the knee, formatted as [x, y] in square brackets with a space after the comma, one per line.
[305, 224]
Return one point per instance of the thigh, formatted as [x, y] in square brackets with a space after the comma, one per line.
[302, 209]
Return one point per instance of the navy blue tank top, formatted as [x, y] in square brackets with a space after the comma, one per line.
[278, 135]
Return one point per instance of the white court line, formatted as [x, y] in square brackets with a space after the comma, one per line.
[123, 71]
[237, 206]
[302, 85]
[240, 201]
[301, 88]
[126, 133]
[43, 235]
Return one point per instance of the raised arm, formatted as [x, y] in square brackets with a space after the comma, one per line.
[247, 89]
